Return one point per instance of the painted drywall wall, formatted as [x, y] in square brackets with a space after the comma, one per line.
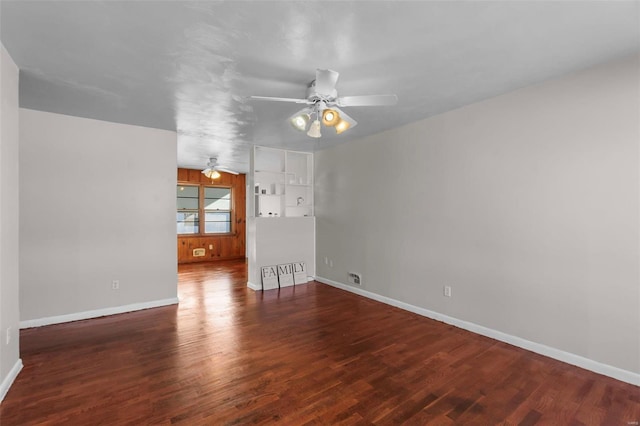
[525, 204]
[10, 363]
[279, 240]
[97, 204]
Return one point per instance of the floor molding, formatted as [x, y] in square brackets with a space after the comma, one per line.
[253, 286]
[560, 355]
[39, 322]
[8, 381]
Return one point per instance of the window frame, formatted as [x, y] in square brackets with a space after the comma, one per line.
[202, 210]
[196, 211]
[203, 221]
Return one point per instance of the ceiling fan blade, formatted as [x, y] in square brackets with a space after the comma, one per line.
[326, 81]
[222, 169]
[270, 98]
[367, 100]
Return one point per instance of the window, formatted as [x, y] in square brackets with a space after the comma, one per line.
[188, 203]
[205, 208]
[217, 210]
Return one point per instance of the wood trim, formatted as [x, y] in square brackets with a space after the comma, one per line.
[229, 235]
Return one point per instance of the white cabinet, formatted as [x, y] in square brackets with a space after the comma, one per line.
[282, 183]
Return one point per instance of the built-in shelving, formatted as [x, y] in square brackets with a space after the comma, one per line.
[282, 183]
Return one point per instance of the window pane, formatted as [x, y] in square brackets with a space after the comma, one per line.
[218, 222]
[187, 222]
[217, 198]
[187, 191]
[187, 197]
[187, 203]
[220, 204]
[217, 227]
[217, 192]
[188, 228]
[217, 217]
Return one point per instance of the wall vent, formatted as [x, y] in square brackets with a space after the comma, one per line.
[355, 279]
[199, 252]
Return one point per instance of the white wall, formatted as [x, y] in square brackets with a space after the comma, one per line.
[97, 203]
[526, 204]
[279, 240]
[10, 363]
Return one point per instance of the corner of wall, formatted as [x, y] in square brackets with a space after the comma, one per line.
[10, 363]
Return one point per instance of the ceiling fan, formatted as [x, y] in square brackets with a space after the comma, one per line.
[213, 169]
[323, 102]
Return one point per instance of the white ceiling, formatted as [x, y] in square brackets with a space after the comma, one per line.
[189, 66]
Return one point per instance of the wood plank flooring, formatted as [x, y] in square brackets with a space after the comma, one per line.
[311, 354]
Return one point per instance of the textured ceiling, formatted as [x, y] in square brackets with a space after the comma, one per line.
[189, 66]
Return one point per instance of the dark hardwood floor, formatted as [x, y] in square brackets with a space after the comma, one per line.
[311, 354]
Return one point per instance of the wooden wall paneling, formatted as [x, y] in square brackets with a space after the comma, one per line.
[183, 175]
[182, 248]
[222, 248]
[226, 248]
[215, 246]
[194, 176]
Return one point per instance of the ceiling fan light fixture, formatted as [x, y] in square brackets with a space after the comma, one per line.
[314, 129]
[211, 173]
[300, 121]
[322, 100]
[341, 126]
[330, 117]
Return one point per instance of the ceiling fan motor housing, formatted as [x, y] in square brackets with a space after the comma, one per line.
[313, 95]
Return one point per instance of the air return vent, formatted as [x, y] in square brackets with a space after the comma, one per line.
[355, 278]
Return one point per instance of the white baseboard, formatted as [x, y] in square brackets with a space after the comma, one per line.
[39, 322]
[8, 381]
[560, 355]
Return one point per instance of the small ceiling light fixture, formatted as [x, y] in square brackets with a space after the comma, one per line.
[211, 173]
[300, 119]
[314, 129]
[342, 126]
[345, 123]
[330, 117]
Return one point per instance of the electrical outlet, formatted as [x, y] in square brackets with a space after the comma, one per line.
[326, 260]
[8, 335]
[115, 285]
[447, 291]
[330, 263]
